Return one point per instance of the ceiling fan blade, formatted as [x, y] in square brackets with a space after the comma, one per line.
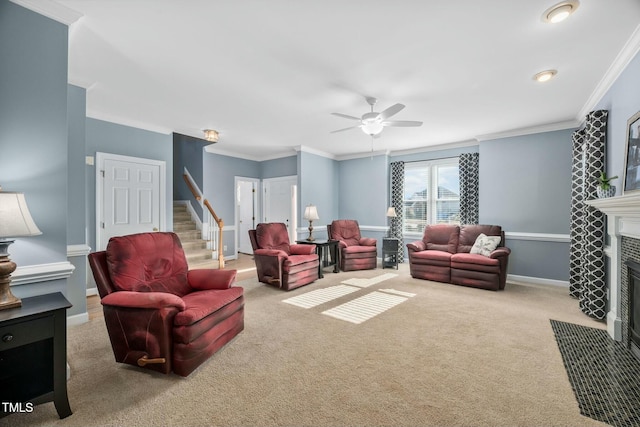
[402, 123]
[346, 116]
[394, 109]
[340, 130]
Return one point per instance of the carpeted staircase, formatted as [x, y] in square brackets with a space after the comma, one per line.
[195, 249]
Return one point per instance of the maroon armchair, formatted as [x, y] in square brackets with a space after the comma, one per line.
[356, 252]
[280, 263]
[158, 314]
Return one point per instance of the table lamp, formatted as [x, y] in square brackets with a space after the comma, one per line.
[15, 221]
[391, 213]
[311, 214]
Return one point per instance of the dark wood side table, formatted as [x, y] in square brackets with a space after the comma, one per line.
[327, 251]
[33, 355]
[390, 252]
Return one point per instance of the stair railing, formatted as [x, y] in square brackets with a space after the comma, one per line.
[218, 220]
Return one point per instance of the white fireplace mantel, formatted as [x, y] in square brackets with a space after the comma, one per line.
[623, 219]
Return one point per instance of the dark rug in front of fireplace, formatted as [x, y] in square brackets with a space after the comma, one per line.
[604, 374]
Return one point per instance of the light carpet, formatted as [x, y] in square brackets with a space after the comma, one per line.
[448, 356]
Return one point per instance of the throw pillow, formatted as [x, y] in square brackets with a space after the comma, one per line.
[484, 244]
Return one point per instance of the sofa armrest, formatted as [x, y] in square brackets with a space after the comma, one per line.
[302, 249]
[500, 252]
[206, 278]
[342, 244]
[368, 241]
[147, 300]
[416, 246]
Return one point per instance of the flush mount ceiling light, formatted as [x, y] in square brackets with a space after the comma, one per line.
[560, 11]
[545, 76]
[211, 135]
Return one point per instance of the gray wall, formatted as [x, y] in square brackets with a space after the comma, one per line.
[33, 133]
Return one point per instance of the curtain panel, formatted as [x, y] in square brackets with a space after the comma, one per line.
[397, 201]
[587, 224]
[469, 170]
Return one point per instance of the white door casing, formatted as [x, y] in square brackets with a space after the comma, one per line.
[279, 202]
[247, 191]
[130, 196]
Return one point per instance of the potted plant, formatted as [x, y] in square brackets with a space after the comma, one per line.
[604, 188]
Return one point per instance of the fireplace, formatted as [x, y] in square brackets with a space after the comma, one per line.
[633, 277]
[623, 229]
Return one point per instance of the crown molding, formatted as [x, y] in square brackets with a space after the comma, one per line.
[212, 149]
[363, 155]
[127, 122]
[51, 9]
[626, 54]
[549, 127]
[439, 147]
[310, 150]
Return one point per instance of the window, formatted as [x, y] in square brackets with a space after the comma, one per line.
[431, 194]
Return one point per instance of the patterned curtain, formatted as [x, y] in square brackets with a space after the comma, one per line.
[397, 201]
[469, 187]
[587, 229]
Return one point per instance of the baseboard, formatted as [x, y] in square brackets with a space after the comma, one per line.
[528, 280]
[92, 291]
[78, 319]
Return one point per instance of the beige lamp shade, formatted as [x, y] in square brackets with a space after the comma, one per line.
[391, 212]
[311, 213]
[15, 219]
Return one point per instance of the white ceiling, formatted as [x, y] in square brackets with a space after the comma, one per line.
[267, 74]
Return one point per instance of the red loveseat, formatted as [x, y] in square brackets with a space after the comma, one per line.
[444, 255]
[159, 315]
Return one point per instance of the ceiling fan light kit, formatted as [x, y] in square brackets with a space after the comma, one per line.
[372, 123]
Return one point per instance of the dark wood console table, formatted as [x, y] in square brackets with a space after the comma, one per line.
[327, 251]
[33, 355]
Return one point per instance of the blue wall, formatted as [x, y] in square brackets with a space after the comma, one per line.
[318, 185]
[33, 133]
[112, 138]
[188, 152]
[525, 186]
[274, 168]
[623, 101]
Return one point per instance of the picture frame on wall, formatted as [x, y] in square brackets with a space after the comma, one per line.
[632, 155]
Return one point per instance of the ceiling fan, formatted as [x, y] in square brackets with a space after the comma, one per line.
[372, 123]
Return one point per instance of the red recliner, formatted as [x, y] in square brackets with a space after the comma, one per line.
[356, 252]
[158, 314]
[280, 263]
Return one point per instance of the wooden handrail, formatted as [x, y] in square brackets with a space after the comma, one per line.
[191, 187]
[220, 223]
[217, 219]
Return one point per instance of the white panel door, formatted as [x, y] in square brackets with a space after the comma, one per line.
[279, 202]
[131, 199]
[247, 211]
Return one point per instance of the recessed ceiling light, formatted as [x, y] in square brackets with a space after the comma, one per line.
[560, 11]
[544, 76]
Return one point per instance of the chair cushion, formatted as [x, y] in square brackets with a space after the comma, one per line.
[437, 258]
[200, 304]
[346, 230]
[475, 262]
[273, 235]
[441, 237]
[148, 262]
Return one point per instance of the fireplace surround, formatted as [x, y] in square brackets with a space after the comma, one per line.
[623, 230]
